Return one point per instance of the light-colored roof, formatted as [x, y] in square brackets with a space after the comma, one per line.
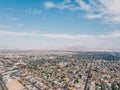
[14, 85]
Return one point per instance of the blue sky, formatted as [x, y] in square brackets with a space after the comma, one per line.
[38, 24]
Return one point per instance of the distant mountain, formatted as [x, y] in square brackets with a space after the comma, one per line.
[69, 48]
[86, 49]
[4, 47]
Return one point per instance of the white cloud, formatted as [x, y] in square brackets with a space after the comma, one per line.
[93, 16]
[108, 40]
[34, 11]
[108, 11]
[49, 4]
[83, 5]
[59, 36]
[115, 34]
[63, 5]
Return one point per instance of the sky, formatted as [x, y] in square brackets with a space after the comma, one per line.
[44, 24]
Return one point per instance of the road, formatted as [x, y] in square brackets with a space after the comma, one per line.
[1, 85]
[104, 85]
[34, 85]
[89, 72]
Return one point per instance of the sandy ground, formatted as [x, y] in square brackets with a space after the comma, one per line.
[14, 85]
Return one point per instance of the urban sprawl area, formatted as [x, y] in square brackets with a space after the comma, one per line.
[59, 70]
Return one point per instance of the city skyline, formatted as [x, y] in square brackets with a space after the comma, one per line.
[51, 24]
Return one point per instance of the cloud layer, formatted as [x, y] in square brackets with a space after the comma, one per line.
[30, 40]
[108, 11]
[108, 40]
[34, 11]
[115, 34]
